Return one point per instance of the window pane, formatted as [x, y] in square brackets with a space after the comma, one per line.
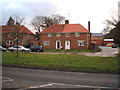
[67, 34]
[58, 35]
[49, 35]
[46, 43]
[77, 34]
[81, 42]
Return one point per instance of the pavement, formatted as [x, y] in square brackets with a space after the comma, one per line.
[105, 52]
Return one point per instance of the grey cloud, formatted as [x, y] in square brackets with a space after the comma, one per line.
[29, 8]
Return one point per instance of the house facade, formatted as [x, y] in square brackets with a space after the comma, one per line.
[97, 38]
[10, 32]
[65, 36]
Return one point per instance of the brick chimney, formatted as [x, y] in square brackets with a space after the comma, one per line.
[66, 21]
[89, 34]
[89, 25]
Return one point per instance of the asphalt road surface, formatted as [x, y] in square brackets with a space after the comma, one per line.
[23, 78]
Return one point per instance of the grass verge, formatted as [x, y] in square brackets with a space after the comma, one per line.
[69, 51]
[71, 62]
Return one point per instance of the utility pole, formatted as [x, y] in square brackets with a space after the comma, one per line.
[17, 29]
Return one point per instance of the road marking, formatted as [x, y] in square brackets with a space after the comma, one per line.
[81, 86]
[7, 79]
[42, 86]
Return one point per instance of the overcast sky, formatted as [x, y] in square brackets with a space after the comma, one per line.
[80, 11]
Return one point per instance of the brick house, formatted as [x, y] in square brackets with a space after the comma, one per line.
[97, 38]
[9, 35]
[65, 36]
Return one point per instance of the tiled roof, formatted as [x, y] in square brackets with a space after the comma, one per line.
[97, 34]
[65, 28]
[12, 29]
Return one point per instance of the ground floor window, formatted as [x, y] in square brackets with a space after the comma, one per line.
[9, 42]
[46, 43]
[81, 42]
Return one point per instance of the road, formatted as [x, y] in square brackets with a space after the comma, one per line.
[33, 78]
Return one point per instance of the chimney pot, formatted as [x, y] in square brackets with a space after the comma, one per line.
[66, 21]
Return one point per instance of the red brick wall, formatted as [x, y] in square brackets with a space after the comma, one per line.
[73, 41]
[97, 39]
[23, 39]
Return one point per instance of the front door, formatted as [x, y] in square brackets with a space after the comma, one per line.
[67, 44]
[58, 44]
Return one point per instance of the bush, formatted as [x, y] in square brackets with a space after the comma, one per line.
[94, 47]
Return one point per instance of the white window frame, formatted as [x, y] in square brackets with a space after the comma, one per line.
[46, 43]
[67, 34]
[10, 35]
[58, 35]
[28, 35]
[49, 35]
[77, 34]
[8, 42]
[81, 42]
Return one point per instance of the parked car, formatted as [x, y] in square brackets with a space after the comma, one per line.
[20, 49]
[109, 44]
[2, 49]
[114, 45]
[36, 48]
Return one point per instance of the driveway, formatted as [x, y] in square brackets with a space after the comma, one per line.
[106, 52]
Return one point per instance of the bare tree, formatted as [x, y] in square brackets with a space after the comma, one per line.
[114, 32]
[111, 23]
[39, 22]
[18, 19]
[57, 19]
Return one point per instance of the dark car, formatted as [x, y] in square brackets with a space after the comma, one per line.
[36, 48]
[114, 45]
[2, 49]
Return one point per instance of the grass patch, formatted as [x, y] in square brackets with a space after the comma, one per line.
[62, 50]
[62, 61]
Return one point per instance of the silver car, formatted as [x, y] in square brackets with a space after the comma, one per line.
[20, 49]
[2, 49]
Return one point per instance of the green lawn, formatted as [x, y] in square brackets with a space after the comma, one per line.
[71, 51]
[71, 62]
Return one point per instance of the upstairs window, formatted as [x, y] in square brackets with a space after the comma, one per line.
[81, 42]
[77, 34]
[58, 35]
[67, 34]
[49, 35]
[10, 35]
